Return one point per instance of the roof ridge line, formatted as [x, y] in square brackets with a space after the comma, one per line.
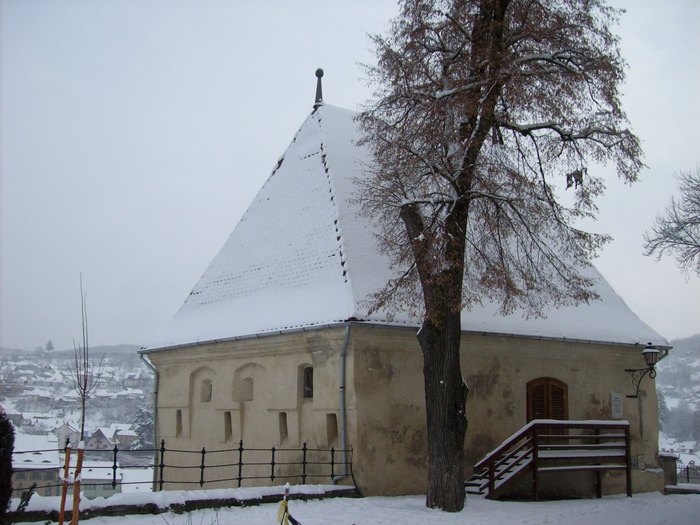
[278, 165]
[340, 239]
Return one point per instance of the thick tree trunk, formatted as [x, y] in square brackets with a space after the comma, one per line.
[439, 338]
[445, 400]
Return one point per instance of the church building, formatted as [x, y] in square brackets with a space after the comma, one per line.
[276, 345]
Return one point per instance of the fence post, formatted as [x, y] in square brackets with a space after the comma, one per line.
[162, 463]
[114, 467]
[76, 484]
[535, 463]
[201, 468]
[64, 483]
[272, 465]
[628, 461]
[598, 474]
[332, 462]
[240, 462]
[303, 464]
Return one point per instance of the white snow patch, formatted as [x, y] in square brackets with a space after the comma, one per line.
[641, 509]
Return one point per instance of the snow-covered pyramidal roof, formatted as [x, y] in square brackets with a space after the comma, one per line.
[303, 256]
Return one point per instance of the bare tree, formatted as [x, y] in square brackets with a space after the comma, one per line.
[484, 109]
[86, 372]
[677, 232]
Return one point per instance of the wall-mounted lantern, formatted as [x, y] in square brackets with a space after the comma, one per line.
[651, 355]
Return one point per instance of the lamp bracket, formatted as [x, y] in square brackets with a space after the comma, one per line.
[637, 376]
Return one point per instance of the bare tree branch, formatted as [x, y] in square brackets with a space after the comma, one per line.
[677, 231]
[482, 107]
[86, 372]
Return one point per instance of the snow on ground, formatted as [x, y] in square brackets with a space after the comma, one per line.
[641, 509]
[672, 402]
[688, 452]
[137, 479]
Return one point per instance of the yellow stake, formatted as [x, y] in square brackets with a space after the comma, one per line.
[64, 488]
[76, 485]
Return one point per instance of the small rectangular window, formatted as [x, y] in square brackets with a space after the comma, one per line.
[248, 389]
[332, 429]
[284, 433]
[309, 382]
[178, 423]
[227, 426]
[206, 391]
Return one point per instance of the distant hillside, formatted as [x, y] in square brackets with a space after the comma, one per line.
[686, 348]
[95, 350]
[678, 385]
[681, 369]
[107, 350]
[6, 352]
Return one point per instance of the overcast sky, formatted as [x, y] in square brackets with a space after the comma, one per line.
[134, 134]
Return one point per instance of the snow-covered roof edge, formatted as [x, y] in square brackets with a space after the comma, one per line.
[395, 326]
[337, 267]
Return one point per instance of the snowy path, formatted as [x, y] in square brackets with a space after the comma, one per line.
[642, 509]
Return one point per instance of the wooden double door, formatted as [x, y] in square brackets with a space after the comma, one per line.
[547, 398]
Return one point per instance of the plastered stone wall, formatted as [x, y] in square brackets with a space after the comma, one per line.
[256, 396]
[385, 399]
[391, 435]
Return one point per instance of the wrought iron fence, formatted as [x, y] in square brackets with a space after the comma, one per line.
[231, 467]
[242, 464]
[689, 473]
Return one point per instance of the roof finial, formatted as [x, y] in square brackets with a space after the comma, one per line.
[319, 91]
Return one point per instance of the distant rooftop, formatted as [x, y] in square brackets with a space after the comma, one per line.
[43, 455]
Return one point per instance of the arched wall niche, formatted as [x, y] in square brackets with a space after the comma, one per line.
[202, 385]
[305, 381]
[246, 379]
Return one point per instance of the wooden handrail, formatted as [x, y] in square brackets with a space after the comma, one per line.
[526, 449]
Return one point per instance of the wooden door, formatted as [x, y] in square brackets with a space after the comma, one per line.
[547, 398]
